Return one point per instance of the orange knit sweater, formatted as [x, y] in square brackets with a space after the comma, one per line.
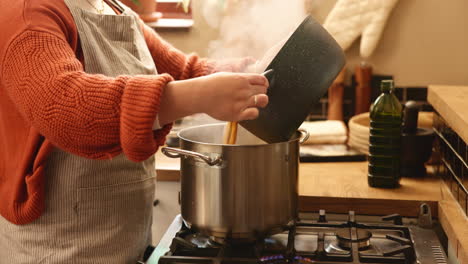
[47, 99]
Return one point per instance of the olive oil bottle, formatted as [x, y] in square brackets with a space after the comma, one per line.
[385, 137]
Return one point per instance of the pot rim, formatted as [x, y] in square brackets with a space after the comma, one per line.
[296, 138]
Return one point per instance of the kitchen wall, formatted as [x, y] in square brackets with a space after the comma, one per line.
[424, 42]
[197, 38]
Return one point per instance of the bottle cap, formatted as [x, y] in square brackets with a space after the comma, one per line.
[386, 85]
[410, 117]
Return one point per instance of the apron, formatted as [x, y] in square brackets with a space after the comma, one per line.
[97, 211]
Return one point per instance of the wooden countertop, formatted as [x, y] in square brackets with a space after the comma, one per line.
[167, 169]
[451, 103]
[340, 187]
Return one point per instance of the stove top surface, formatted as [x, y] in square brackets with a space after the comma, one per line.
[318, 241]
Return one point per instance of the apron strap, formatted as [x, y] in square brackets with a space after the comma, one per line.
[118, 9]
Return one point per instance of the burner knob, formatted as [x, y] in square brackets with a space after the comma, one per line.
[351, 218]
[397, 219]
[322, 217]
[425, 216]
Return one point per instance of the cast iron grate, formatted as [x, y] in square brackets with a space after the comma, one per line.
[302, 242]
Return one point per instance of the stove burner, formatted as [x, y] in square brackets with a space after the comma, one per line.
[348, 236]
[217, 240]
[202, 241]
[305, 242]
[271, 258]
[223, 241]
[282, 259]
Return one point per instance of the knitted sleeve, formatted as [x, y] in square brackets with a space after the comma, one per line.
[174, 62]
[90, 115]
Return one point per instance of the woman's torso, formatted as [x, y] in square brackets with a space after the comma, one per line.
[97, 211]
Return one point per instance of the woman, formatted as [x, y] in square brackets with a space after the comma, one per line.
[88, 94]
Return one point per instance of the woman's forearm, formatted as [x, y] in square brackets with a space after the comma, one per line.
[180, 99]
[224, 96]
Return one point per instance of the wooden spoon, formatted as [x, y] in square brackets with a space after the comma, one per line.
[230, 133]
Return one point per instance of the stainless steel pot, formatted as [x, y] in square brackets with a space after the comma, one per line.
[241, 191]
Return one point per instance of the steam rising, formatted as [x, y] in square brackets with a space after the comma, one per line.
[252, 27]
[248, 28]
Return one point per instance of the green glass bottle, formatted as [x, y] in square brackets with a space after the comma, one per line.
[384, 140]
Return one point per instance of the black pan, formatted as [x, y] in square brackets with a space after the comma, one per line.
[303, 70]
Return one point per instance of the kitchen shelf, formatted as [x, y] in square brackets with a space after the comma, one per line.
[172, 23]
[174, 16]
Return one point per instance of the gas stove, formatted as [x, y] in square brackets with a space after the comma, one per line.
[310, 241]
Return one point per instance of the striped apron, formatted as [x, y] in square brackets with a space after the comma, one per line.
[97, 211]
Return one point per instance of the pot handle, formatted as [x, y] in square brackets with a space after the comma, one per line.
[177, 153]
[305, 135]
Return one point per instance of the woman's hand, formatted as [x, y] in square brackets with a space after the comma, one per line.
[233, 97]
[224, 96]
